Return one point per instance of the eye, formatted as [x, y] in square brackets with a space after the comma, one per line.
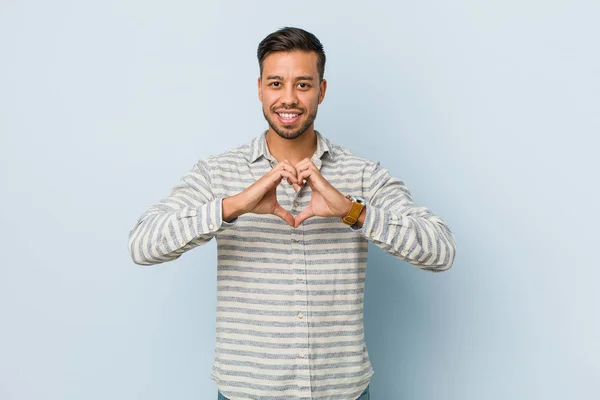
[275, 84]
[304, 85]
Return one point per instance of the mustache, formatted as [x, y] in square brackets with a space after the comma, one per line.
[275, 109]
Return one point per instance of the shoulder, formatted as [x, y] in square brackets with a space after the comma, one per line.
[234, 156]
[345, 157]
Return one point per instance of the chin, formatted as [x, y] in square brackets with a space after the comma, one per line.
[289, 134]
[287, 131]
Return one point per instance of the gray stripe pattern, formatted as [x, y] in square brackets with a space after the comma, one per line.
[290, 301]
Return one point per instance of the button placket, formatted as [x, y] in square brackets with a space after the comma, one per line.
[301, 291]
[298, 252]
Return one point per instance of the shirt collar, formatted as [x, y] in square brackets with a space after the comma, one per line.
[258, 148]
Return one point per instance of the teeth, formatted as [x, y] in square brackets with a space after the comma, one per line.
[288, 116]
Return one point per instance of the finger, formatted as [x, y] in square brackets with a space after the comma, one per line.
[276, 176]
[306, 166]
[289, 167]
[301, 167]
[305, 161]
[286, 165]
[291, 178]
[306, 175]
[286, 162]
[303, 216]
[284, 215]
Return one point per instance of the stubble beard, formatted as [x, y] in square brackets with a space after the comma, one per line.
[285, 133]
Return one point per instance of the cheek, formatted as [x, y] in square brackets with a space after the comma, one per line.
[269, 100]
[311, 102]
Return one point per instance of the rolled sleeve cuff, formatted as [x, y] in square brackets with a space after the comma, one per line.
[220, 223]
[209, 217]
[378, 223]
[373, 220]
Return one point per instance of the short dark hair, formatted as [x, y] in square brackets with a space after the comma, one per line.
[290, 39]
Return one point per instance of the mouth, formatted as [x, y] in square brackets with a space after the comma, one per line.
[288, 117]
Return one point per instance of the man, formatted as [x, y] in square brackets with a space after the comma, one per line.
[293, 214]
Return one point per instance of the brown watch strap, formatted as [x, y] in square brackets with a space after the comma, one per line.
[354, 212]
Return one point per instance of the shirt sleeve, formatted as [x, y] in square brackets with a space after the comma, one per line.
[189, 217]
[401, 227]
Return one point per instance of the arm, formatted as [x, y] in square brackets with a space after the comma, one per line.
[191, 216]
[402, 228]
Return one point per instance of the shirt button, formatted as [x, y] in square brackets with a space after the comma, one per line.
[211, 226]
[295, 241]
[301, 355]
[299, 278]
[300, 315]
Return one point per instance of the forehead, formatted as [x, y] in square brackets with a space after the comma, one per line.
[291, 63]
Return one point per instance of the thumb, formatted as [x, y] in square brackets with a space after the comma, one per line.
[303, 216]
[284, 215]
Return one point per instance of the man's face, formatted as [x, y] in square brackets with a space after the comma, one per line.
[290, 92]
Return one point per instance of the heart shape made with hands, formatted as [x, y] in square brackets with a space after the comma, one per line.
[326, 200]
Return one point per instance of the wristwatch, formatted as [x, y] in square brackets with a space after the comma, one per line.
[358, 203]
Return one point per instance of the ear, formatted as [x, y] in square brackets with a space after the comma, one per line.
[322, 89]
[259, 89]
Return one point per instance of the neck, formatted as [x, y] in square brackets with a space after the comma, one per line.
[293, 150]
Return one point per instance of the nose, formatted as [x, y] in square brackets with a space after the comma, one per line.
[288, 96]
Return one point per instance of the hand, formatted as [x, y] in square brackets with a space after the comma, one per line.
[261, 196]
[326, 201]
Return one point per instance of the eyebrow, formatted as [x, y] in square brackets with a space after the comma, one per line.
[298, 78]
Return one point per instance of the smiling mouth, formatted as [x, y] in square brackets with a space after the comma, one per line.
[287, 117]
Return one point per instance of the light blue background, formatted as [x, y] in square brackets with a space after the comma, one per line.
[488, 111]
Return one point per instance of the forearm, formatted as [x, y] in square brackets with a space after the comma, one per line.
[232, 208]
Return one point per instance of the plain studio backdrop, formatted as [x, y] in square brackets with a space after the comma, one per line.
[488, 111]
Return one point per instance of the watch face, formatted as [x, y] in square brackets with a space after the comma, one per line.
[360, 200]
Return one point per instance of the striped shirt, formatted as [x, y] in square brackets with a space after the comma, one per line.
[290, 301]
